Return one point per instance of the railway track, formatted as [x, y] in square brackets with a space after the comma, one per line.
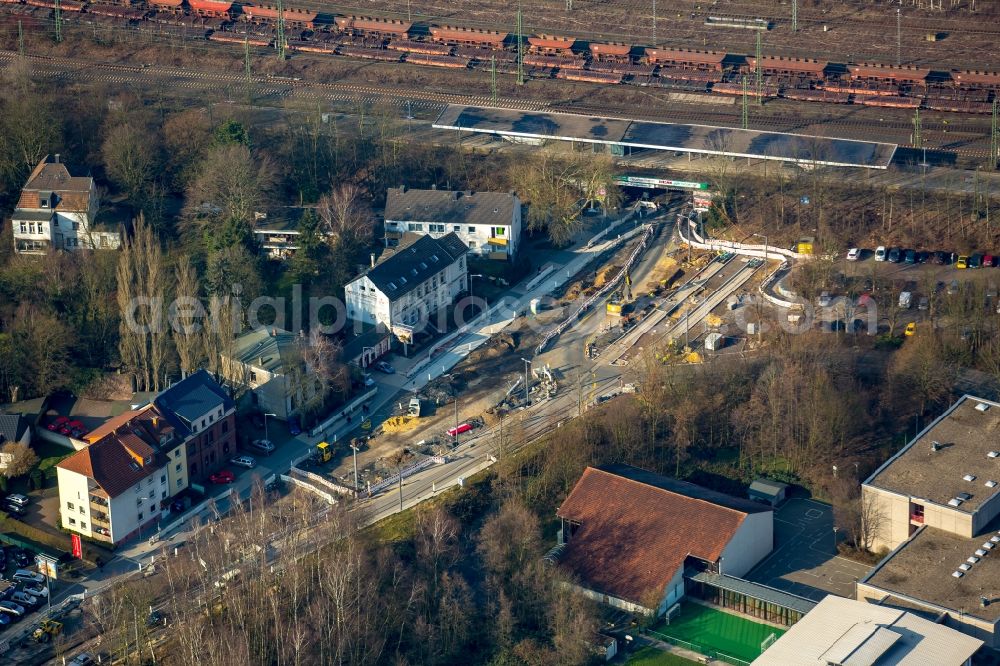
[73, 69]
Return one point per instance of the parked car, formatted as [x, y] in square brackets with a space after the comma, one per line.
[24, 599]
[25, 576]
[458, 430]
[15, 509]
[23, 558]
[382, 366]
[962, 262]
[59, 422]
[37, 590]
[953, 287]
[853, 254]
[82, 659]
[923, 256]
[976, 261]
[940, 258]
[910, 256]
[222, 477]
[880, 253]
[369, 380]
[263, 445]
[16, 610]
[989, 261]
[895, 255]
[17, 498]
[911, 329]
[293, 426]
[924, 303]
[824, 300]
[244, 461]
[4, 619]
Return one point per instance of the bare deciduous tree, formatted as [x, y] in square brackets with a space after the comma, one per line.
[19, 459]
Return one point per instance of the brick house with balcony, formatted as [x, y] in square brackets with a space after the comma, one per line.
[203, 416]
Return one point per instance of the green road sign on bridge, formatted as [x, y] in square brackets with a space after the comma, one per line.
[659, 183]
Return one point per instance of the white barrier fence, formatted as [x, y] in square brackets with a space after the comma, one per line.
[310, 487]
[326, 483]
[405, 472]
[349, 409]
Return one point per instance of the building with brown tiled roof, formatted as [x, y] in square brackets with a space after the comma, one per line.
[113, 488]
[628, 536]
[58, 211]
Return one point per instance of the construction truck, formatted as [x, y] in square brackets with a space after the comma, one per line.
[323, 453]
[44, 632]
[414, 408]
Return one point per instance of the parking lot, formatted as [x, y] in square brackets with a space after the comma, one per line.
[804, 560]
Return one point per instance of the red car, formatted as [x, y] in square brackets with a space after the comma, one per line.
[73, 428]
[58, 423]
[223, 476]
[989, 260]
[458, 430]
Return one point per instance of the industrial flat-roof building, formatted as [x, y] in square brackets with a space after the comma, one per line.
[844, 631]
[937, 504]
[623, 135]
[489, 223]
[946, 478]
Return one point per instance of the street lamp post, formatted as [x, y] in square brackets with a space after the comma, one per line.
[266, 414]
[526, 364]
[354, 451]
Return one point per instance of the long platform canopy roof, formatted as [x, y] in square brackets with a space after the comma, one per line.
[701, 139]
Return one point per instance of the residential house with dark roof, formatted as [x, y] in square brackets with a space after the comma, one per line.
[14, 429]
[203, 415]
[113, 488]
[268, 361]
[489, 223]
[407, 286]
[936, 504]
[58, 211]
[629, 536]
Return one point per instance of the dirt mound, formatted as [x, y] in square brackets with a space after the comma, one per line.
[605, 274]
[498, 345]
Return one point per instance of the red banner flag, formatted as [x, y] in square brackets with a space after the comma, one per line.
[77, 546]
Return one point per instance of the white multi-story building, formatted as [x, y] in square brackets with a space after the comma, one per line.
[489, 223]
[113, 488]
[57, 211]
[422, 276]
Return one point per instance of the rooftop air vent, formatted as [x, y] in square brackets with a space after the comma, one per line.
[954, 502]
[964, 567]
[989, 545]
[995, 539]
[935, 446]
[980, 552]
[957, 574]
[965, 497]
[972, 559]
[993, 454]
[991, 484]
[982, 407]
[969, 477]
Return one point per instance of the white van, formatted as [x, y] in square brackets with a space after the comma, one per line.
[880, 253]
[905, 300]
[26, 576]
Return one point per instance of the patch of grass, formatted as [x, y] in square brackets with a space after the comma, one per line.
[650, 656]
